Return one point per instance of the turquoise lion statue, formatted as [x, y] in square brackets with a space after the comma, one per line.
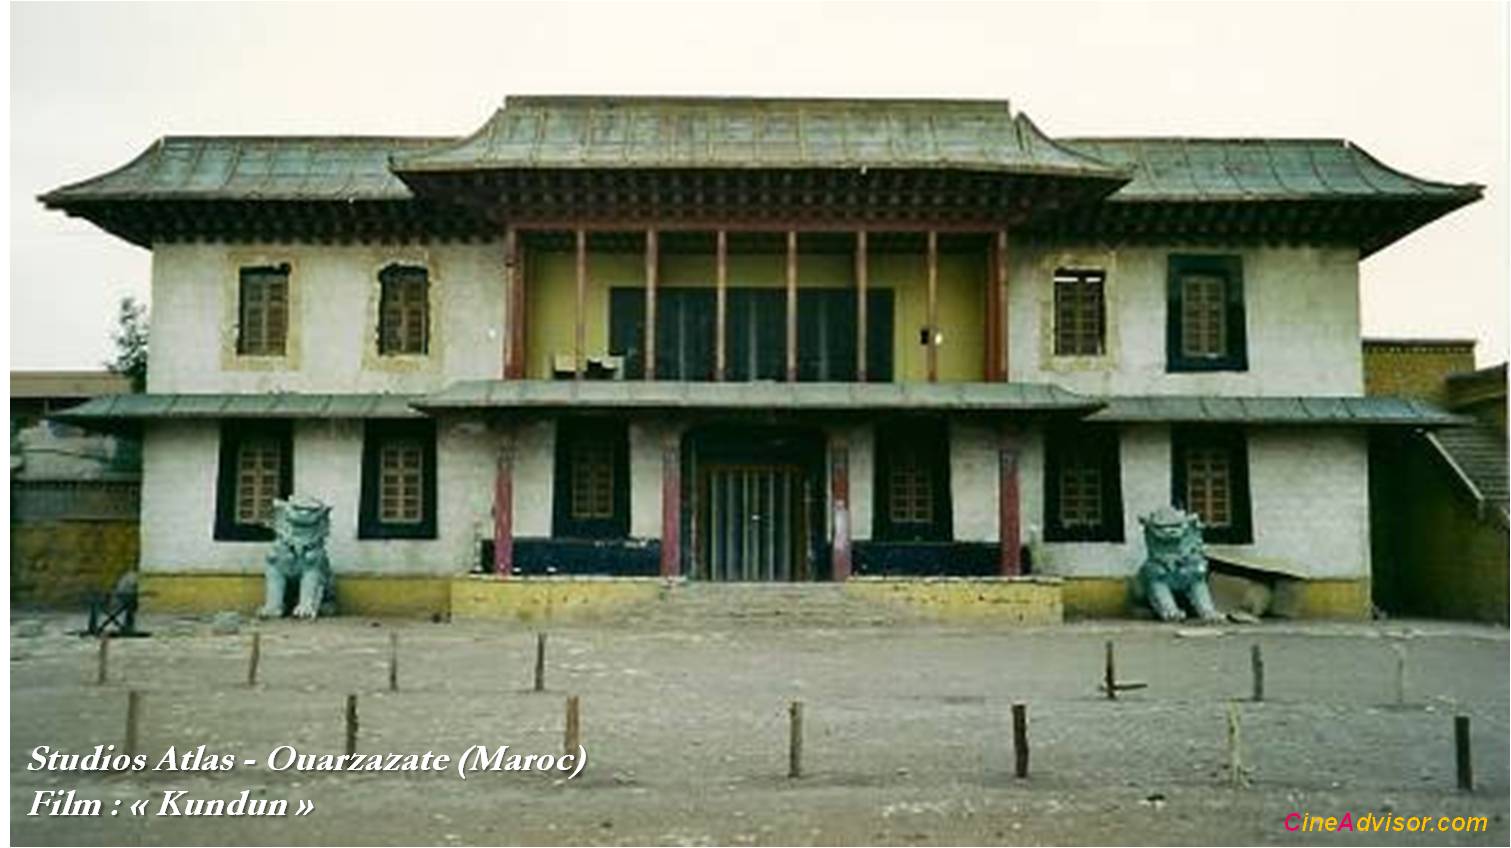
[1175, 566]
[300, 527]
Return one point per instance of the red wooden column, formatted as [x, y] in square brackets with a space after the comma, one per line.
[992, 366]
[721, 296]
[1009, 503]
[503, 505]
[671, 505]
[579, 314]
[792, 306]
[862, 282]
[839, 496]
[932, 351]
[1000, 312]
[652, 260]
[514, 292]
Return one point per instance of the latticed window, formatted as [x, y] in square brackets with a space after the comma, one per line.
[1081, 493]
[592, 481]
[404, 310]
[1204, 316]
[262, 328]
[1080, 313]
[1209, 485]
[259, 474]
[910, 488]
[401, 480]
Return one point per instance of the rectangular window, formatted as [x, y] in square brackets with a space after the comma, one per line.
[1205, 321]
[263, 311]
[1080, 312]
[398, 499]
[1211, 479]
[756, 333]
[912, 482]
[592, 480]
[1083, 498]
[403, 310]
[256, 466]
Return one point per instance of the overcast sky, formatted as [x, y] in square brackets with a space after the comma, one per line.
[1423, 86]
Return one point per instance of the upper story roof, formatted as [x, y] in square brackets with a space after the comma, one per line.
[754, 133]
[985, 156]
[67, 384]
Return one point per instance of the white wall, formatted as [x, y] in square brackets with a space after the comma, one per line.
[1308, 490]
[332, 327]
[1301, 308]
[180, 460]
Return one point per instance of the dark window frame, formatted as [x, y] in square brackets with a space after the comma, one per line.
[1079, 277]
[599, 430]
[1102, 442]
[243, 341]
[932, 438]
[395, 275]
[232, 433]
[1240, 530]
[1230, 268]
[369, 523]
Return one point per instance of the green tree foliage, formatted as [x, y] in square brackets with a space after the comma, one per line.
[130, 339]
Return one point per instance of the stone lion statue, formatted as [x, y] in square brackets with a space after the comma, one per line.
[300, 526]
[1175, 566]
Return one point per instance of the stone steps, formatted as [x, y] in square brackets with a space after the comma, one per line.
[782, 604]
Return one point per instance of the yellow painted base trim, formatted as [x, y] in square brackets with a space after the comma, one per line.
[1028, 600]
[550, 599]
[356, 594]
[1337, 599]
[1097, 597]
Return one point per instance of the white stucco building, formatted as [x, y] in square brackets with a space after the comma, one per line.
[887, 338]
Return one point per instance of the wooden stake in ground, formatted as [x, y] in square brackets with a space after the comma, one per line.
[104, 670]
[1400, 651]
[393, 662]
[1110, 682]
[351, 724]
[1111, 676]
[1256, 662]
[1020, 740]
[573, 736]
[795, 739]
[133, 715]
[255, 659]
[1235, 747]
[540, 662]
[1461, 753]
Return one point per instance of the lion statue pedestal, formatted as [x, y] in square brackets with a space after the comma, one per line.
[1175, 566]
[300, 527]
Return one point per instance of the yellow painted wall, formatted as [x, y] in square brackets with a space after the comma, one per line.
[62, 563]
[551, 299]
[549, 600]
[1023, 601]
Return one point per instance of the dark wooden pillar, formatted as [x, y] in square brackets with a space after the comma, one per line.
[932, 351]
[671, 505]
[514, 293]
[1009, 502]
[999, 285]
[579, 314]
[839, 496]
[792, 306]
[503, 505]
[992, 358]
[862, 282]
[721, 303]
[652, 259]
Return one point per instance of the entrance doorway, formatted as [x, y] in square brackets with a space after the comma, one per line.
[757, 503]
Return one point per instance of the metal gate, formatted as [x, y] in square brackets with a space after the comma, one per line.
[754, 523]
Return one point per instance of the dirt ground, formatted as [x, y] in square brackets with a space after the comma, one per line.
[908, 732]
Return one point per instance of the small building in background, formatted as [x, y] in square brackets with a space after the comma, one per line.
[75, 493]
[1438, 500]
